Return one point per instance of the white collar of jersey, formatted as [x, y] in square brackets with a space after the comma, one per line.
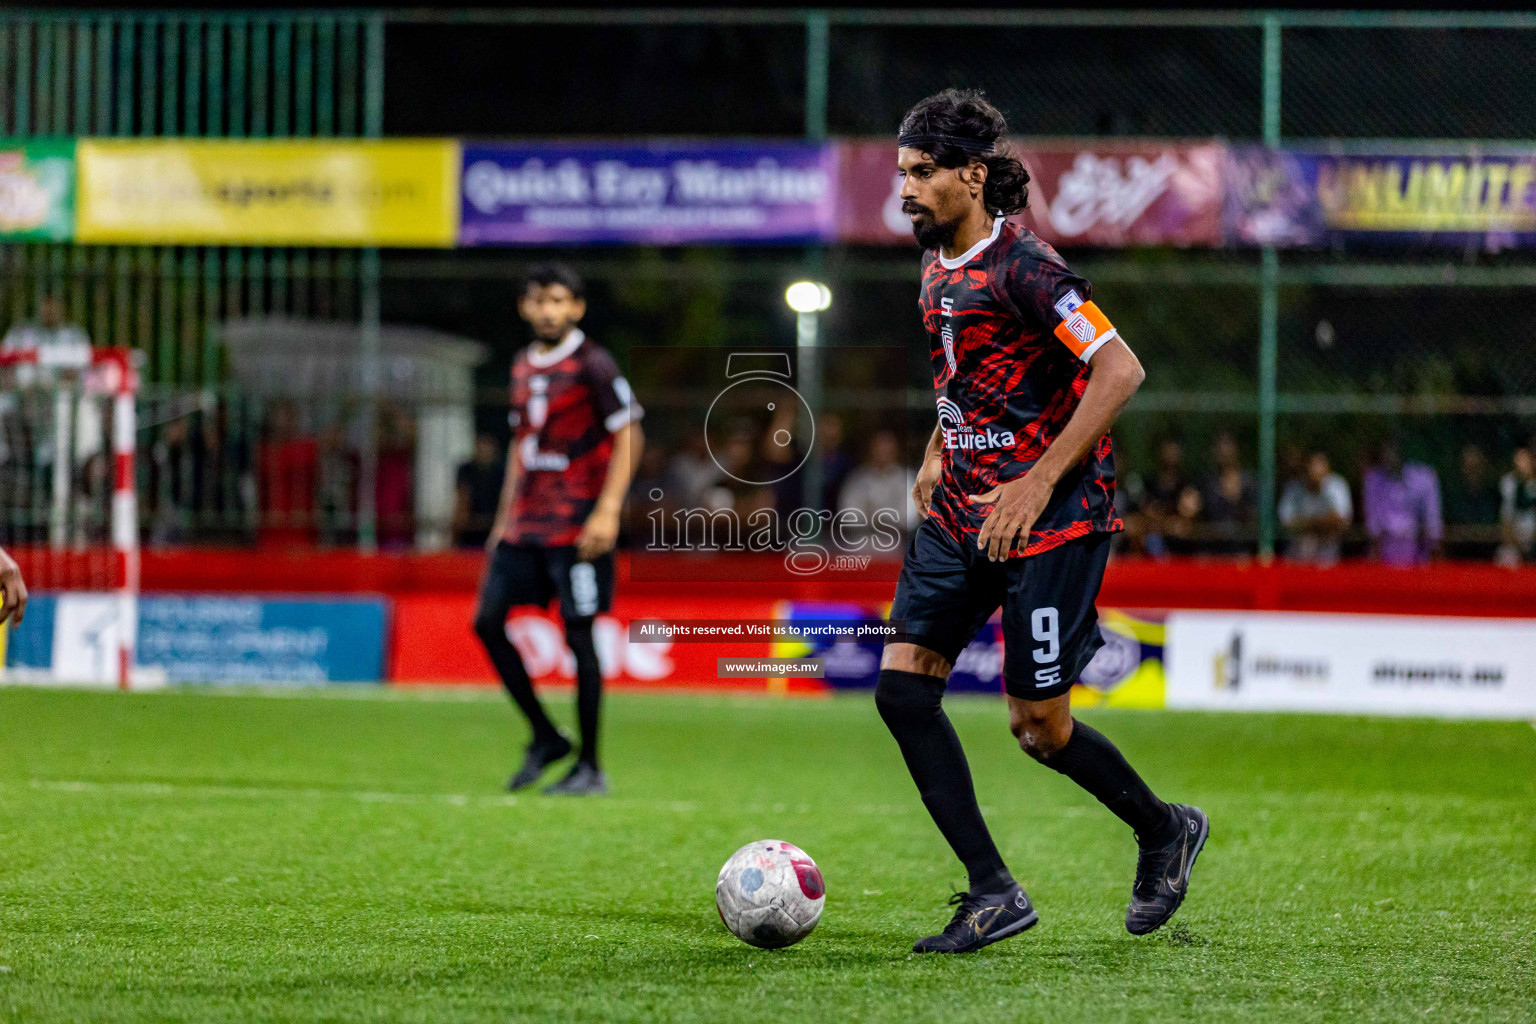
[997, 229]
[551, 356]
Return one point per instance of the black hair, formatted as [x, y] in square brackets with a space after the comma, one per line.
[957, 126]
[542, 275]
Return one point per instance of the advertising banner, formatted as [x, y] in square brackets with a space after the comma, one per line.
[260, 640]
[37, 190]
[332, 192]
[431, 641]
[1127, 672]
[648, 194]
[1357, 664]
[1091, 194]
[1300, 197]
[70, 638]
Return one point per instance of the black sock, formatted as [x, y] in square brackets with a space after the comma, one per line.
[492, 631]
[589, 685]
[1096, 764]
[911, 705]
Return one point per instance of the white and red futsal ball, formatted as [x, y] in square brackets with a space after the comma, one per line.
[770, 894]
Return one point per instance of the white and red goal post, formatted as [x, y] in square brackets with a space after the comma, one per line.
[69, 509]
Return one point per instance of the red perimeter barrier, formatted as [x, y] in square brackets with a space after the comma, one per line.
[433, 600]
[1447, 588]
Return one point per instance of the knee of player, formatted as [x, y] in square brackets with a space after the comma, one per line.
[1039, 734]
[578, 634]
[901, 696]
[488, 625]
[914, 658]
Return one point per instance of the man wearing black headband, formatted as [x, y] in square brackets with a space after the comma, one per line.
[1018, 487]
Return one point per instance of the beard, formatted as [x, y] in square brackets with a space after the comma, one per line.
[929, 231]
[550, 333]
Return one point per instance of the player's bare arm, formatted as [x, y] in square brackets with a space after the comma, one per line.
[508, 495]
[1117, 373]
[601, 530]
[928, 473]
[13, 589]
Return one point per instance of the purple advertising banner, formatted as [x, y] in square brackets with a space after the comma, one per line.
[1112, 193]
[1312, 197]
[650, 194]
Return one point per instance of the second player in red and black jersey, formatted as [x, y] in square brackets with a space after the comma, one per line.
[1018, 486]
[567, 402]
[1012, 333]
[575, 438]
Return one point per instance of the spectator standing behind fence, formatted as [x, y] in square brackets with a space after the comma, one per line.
[1401, 502]
[1170, 505]
[477, 493]
[288, 479]
[691, 474]
[881, 482]
[50, 331]
[836, 460]
[173, 473]
[1128, 494]
[1315, 511]
[395, 482]
[1230, 498]
[1517, 517]
[1472, 506]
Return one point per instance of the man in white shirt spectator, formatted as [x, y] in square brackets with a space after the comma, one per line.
[1315, 511]
[881, 482]
[63, 356]
[48, 331]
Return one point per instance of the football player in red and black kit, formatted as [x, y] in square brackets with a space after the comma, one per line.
[1018, 487]
[575, 439]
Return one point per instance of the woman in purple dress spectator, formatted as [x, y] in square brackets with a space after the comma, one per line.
[1402, 508]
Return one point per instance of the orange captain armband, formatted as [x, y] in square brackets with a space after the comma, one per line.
[1084, 328]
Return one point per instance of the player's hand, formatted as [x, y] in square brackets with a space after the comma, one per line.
[13, 589]
[1018, 504]
[598, 535]
[927, 480]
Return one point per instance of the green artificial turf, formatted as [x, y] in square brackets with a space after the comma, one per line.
[350, 856]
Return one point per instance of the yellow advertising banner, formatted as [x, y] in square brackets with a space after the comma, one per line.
[341, 192]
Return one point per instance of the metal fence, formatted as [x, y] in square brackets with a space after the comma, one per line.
[1336, 350]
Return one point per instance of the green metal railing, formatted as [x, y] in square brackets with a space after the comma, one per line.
[321, 73]
[192, 74]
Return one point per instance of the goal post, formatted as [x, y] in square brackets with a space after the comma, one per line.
[69, 500]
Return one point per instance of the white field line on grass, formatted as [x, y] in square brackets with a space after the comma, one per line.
[1385, 806]
[198, 789]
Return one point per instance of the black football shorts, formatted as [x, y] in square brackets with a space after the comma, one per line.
[948, 590]
[526, 574]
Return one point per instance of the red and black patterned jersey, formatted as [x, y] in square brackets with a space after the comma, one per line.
[1012, 330]
[566, 403]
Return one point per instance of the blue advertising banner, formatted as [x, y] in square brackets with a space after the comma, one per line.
[1296, 197]
[210, 639]
[257, 640]
[651, 194]
[856, 664]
